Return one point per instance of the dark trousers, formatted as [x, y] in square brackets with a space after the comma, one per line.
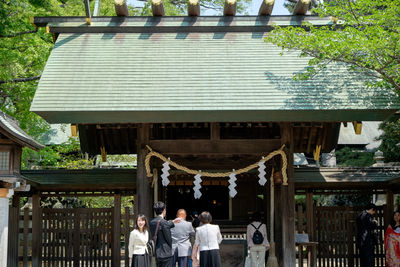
[165, 262]
[182, 261]
[367, 257]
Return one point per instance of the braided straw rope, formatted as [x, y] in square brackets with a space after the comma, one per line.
[218, 174]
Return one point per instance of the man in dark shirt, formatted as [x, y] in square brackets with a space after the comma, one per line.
[164, 239]
[366, 238]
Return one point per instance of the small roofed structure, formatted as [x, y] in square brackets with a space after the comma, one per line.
[12, 139]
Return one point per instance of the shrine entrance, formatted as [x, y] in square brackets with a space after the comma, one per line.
[215, 199]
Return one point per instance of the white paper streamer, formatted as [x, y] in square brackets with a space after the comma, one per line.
[232, 184]
[261, 173]
[197, 186]
[165, 173]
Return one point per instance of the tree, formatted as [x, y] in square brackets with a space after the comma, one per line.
[366, 37]
[390, 145]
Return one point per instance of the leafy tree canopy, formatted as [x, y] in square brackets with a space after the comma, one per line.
[390, 145]
[366, 38]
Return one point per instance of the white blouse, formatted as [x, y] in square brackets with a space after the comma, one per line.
[138, 242]
[208, 237]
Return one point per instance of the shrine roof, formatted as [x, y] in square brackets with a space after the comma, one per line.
[183, 69]
[10, 128]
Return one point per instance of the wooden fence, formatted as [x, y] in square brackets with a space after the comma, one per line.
[71, 237]
[335, 230]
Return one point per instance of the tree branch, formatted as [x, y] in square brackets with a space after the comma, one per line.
[21, 80]
[18, 34]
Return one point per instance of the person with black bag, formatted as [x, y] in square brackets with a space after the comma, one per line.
[257, 241]
[161, 236]
[138, 239]
[366, 236]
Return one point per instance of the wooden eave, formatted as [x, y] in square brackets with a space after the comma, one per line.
[171, 24]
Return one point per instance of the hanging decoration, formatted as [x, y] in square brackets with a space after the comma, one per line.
[261, 173]
[165, 173]
[232, 175]
[197, 186]
[232, 184]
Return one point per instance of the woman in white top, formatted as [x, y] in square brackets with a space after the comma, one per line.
[257, 251]
[138, 243]
[208, 238]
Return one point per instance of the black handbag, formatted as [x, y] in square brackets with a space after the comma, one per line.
[151, 245]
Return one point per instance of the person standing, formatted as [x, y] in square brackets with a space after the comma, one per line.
[208, 238]
[392, 241]
[138, 239]
[181, 233]
[366, 238]
[257, 241]
[162, 228]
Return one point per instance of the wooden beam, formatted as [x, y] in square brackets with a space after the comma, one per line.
[215, 131]
[266, 7]
[217, 147]
[157, 7]
[301, 7]
[143, 200]
[116, 242]
[287, 199]
[230, 8]
[121, 8]
[357, 127]
[194, 7]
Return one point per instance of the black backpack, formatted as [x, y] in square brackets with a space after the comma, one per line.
[257, 236]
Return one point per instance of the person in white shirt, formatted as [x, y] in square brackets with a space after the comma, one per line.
[257, 241]
[138, 239]
[208, 238]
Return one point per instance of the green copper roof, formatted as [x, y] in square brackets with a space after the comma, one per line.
[189, 77]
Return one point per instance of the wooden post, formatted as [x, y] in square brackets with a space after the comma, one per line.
[142, 183]
[36, 231]
[310, 214]
[194, 7]
[121, 8]
[13, 233]
[116, 244]
[350, 238]
[301, 7]
[287, 199]
[230, 8]
[266, 8]
[389, 207]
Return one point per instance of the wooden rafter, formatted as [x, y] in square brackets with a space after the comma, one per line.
[230, 8]
[157, 7]
[301, 7]
[121, 8]
[194, 7]
[266, 7]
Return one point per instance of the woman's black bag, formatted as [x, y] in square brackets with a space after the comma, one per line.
[151, 245]
[257, 236]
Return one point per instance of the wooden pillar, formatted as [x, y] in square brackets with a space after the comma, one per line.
[389, 207]
[287, 199]
[142, 183]
[116, 247]
[310, 214]
[13, 233]
[36, 231]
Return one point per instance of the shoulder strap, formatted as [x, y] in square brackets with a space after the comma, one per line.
[257, 228]
[156, 233]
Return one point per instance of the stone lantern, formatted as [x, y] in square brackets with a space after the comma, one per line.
[12, 140]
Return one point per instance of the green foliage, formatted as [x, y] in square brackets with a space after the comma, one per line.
[67, 155]
[390, 145]
[354, 200]
[367, 40]
[349, 157]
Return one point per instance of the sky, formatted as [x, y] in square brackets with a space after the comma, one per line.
[279, 9]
